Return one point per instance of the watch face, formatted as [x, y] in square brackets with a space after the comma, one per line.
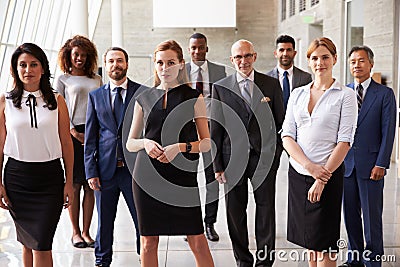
[188, 147]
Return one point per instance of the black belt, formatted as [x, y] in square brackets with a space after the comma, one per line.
[120, 163]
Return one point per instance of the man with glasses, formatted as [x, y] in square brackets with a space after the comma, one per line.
[248, 102]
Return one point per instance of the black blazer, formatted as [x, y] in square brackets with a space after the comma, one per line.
[231, 122]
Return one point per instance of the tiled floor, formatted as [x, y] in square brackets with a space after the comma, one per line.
[174, 252]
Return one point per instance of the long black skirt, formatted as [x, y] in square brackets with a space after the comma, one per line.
[35, 190]
[315, 226]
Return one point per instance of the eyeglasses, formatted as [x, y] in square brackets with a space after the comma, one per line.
[247, 56]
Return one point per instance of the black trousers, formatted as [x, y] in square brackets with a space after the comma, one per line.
[236, 204]
[212, 190]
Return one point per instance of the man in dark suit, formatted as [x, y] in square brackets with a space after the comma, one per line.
[294, 77]
[203, 74]
[367, 161]
[246, 114]
[105, 165]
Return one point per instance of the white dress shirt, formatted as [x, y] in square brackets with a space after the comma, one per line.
[194, 72]
[240, 79]
[113, 91]
[290, 76]
[333, 120]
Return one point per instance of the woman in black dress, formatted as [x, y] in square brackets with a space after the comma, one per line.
[34, 134]
[317, 132]
[173, 117]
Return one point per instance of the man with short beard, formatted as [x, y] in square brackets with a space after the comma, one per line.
[288, 75]
[105, 165]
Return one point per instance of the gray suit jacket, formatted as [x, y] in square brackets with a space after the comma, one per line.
[215, 72]
[300, 77]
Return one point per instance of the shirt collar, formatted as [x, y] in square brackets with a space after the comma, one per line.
[240, 78]
[36, 93]
[335, 85]
[194, 68]
[124, 85]
[281, 71]
[364, 84]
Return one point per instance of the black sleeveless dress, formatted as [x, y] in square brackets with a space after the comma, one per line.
[166, 194]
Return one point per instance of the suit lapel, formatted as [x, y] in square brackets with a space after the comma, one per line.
[257, 94]
[369, 99]
[107, 104]
[236, 91]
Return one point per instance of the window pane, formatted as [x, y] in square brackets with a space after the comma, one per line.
[16, 22]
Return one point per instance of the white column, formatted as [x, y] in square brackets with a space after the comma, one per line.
[79, 17]
[116, 23]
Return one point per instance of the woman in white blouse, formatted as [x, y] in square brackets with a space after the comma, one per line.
[34, 135]
[317, 133]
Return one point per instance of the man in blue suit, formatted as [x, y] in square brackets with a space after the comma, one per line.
[367, 161]
[106, 169]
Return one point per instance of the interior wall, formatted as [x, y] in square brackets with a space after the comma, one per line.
[256, 22]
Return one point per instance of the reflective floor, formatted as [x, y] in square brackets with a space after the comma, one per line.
[174, 251]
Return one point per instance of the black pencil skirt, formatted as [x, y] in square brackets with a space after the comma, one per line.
[315, 226]
[79, 166]
[35, 190]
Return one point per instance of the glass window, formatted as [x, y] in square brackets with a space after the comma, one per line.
[292, 8]
[302, 5]
[283, 10]
[314, 2]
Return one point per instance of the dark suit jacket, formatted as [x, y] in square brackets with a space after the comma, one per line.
[300, 77]
[102, 132]
[231, 123]
[215, 72]
[376, 124]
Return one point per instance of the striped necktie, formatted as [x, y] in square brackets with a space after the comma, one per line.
[360, 92]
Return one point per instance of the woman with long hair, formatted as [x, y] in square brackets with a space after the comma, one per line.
[34, 135]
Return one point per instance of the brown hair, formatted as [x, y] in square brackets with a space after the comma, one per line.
[323, 41]
[64, 55]
[174, 46]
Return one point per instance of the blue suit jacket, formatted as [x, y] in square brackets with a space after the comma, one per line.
[102, 132]
[374, 137]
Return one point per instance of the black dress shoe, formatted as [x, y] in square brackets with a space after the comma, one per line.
[211, 234]
[79, 244]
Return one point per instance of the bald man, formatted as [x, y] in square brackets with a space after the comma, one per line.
[251, 103]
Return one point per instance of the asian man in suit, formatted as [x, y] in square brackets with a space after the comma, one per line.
[367, 161]
[203, 73]
[288, 75]
[246, 114]
[106, 169]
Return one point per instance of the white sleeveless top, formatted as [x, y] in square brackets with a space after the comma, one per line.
[24, 141]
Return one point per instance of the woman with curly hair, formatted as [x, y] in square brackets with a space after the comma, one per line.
[34, 135]
[78, 60]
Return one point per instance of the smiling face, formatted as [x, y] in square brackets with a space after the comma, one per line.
[78, 58]
[285, 54]
[243, 57]
[198, 50]
[167, 66]
[116, 66]
[321, 61]
[29, 71]
[360, 65]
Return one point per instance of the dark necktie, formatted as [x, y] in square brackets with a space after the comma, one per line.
[286, 89]
[360, 91]
[118, 105]
[199, 82]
